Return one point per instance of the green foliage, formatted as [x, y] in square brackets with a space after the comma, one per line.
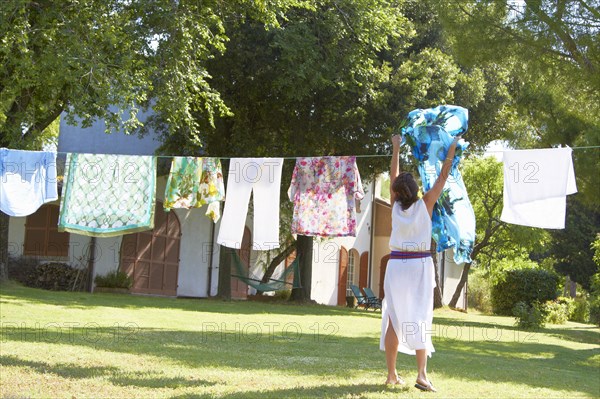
[114, 279]
[595, 299]
[283, 295]
[523, 285]
[498, 245]
[596, 247]
[529, 316]
[581, 311]
[559, 310]
[542, 59]
[385, 187]
[499, 267]
[572, 246]
[479, 292]
[107, 58]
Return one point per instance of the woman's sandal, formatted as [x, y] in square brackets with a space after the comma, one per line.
[427, 387]
[397, 381]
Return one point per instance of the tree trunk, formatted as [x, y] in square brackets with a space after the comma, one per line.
[91, 264]
[225, 259]
[304, 251]
[572, 289]
[275, 262]
[4, 219]
[438, 301]
[463, 280]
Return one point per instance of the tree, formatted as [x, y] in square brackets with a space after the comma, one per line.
[335, 80]
[302, 89]
[87, 58]
[550, 54]
[572, 246]
[495, 240]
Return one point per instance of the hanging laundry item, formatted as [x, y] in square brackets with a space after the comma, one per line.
[27, 180]
[324, 190]
[536, 183]
[194, 182]
[430, 133]
[108, 195]
[262, 178]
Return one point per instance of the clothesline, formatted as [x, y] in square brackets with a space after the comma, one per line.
[357, 156]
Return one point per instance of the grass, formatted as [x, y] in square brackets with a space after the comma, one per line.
[76, 345]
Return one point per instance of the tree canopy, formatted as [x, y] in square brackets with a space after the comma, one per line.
[548, 52]
[107, 58]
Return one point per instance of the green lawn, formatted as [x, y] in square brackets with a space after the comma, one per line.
[59, 344]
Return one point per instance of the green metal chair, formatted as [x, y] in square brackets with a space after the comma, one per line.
[361, 300]
[373, 300]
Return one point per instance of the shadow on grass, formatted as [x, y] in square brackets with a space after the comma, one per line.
[83, 300]
[579, 333]
[113, 374]
[64, 370]
[528, 363]
[322, 391]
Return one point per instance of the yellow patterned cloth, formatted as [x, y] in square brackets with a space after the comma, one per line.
[194, 182]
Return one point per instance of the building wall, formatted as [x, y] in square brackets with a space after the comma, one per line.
[451, 277]
[326, 253]
[194, 251]
[94, 140]
[78, 245]
[196, 228]
[381, 241]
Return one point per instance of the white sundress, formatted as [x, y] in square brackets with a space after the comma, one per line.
[409, 283]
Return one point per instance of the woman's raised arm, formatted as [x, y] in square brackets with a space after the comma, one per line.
[395, 166]
[431, 196]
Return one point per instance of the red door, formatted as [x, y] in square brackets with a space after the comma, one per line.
[363, 273]
[151, 257]
[342, 277]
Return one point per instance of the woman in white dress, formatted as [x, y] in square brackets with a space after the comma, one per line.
[407, 311]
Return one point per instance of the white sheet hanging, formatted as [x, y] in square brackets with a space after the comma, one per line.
[536, 183]
[27, 180]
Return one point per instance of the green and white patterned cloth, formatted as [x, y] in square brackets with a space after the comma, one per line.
[194, 182]
[108, 195]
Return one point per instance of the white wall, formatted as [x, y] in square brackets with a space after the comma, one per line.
[194, 250]
[325, 268]
[451, 277]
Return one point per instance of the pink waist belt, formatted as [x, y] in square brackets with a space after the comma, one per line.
[409, 255]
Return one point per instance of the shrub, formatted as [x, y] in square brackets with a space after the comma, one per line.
[595, 311]
[581, 308]
[114, 279]
[529, 316]
[595, 299]
[559, 311]
[55, 276]
[282, 295]
[479, 293]
[22, 268]
[523, 285]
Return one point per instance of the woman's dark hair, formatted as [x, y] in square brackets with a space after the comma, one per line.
[405, 190]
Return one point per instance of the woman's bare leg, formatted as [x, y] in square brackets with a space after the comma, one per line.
[391, 352]
[422, 367]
